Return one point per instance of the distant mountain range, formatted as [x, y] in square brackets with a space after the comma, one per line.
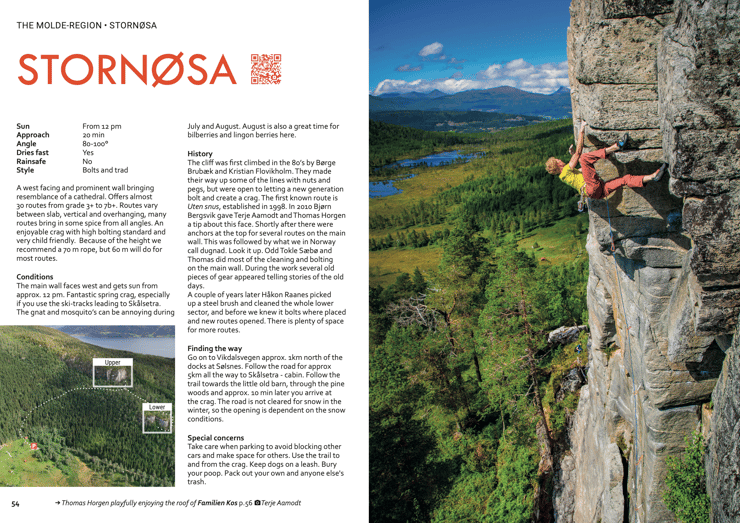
[497, 99]
[415, 95]
[119, 331]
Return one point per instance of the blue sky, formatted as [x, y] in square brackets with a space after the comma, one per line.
[422, 45]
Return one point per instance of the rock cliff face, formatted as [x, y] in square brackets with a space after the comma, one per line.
[112, 375]
[664, 304]
[723, 459]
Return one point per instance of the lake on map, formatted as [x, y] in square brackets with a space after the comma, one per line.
[164, 347]
[388, 187]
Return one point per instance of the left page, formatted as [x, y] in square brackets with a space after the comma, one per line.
[185, 225]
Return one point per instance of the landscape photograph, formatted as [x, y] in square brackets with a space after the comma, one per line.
[157, 421]
[539, 350]
[60, 429]
[113, 376]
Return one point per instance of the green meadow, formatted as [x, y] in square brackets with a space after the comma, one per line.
[20, 467]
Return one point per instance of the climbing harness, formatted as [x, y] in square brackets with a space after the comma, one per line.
[582, 206]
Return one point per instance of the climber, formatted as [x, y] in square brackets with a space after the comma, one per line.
[586, 181]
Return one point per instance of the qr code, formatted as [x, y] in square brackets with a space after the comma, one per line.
[266, 68]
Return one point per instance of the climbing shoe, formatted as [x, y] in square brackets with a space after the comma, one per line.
[660, 172]
[623, 141]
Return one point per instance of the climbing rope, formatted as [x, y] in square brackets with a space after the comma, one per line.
[629, 347]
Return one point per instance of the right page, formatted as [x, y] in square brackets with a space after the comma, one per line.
[554, 275]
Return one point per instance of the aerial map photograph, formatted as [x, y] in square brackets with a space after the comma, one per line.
[59, 429]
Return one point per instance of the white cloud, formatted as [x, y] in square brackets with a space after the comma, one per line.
[434, 48]
[454, 60]
[543, 79]
[519, 68]
[493, 71]
[407, 68]
[454, 63]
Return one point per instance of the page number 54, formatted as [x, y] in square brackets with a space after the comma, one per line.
[15, 504]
